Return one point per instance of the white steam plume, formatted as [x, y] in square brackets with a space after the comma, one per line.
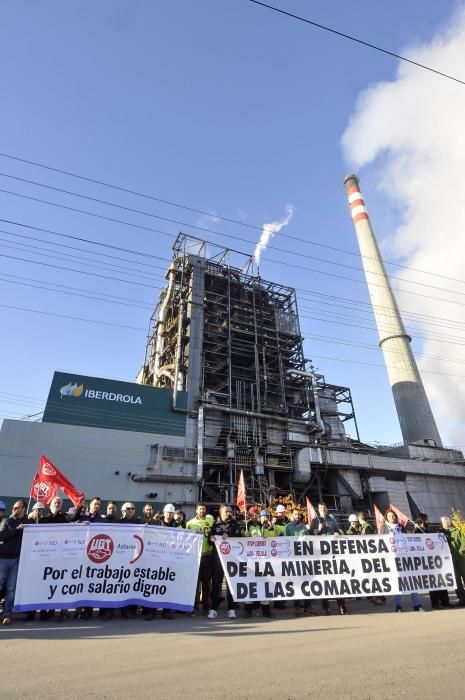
[270, 230]
[412, 130]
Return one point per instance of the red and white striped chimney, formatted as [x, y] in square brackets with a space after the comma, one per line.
[415, 416]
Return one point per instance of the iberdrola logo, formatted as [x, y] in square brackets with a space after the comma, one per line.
[72, 389]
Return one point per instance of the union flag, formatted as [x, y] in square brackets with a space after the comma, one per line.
[43, 491]
[403, 519]
[241, 501]
[311, 512]
[379, 519]
[49, 473]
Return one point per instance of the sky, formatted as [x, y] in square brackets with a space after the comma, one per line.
[227, 108]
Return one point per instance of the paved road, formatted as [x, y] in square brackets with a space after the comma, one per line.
[366, 655]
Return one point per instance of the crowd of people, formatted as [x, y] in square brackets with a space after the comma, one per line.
[257, 522]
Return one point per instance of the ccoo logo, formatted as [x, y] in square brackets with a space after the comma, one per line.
[225, 548]
[100, 548]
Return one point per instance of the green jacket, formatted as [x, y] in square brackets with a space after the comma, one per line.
[456, 540]
[293, 529]
[203, 525]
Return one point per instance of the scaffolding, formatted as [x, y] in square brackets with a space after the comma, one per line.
[232, 341]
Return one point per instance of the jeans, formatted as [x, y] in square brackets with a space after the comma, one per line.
[414, 596]
[9, 573]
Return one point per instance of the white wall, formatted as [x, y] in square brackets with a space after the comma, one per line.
[89, 457]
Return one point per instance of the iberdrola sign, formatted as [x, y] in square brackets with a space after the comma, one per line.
[106, 403]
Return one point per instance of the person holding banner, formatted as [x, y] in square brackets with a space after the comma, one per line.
[393, 527]
[11, 535]
[37, 513]
[297, 527]
[456, 541]
[325, 524]
[225, 526]
[353, 528]
[56, 516]
[364, 526]
[203, 522]
[255, 529]
[280, 521]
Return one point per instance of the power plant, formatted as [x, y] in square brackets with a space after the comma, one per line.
[225, 386]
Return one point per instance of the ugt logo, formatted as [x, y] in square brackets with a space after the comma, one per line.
[100, 548]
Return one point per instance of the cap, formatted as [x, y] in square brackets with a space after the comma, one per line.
[169, 508]
[2, 505]
[253, 510]
[280, 509]
[264, 512]
[353, 518]
[38, 505]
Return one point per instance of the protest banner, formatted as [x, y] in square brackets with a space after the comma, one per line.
[107, 565]
[287, 568]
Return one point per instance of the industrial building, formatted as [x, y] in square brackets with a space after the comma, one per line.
[225, 386]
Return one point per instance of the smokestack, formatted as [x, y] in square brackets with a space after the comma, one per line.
[415, 416]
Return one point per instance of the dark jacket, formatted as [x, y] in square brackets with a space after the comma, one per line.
[89, 518]
[366, 529]
[126, 521]
[11, 537]
[56, 519]
[329, 526]
[231, 528]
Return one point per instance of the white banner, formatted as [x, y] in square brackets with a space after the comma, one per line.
[286, 568]
[107, 565]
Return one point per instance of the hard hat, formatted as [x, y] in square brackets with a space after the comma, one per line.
[38, 505]
[264, 512]
[280, 509]
[353, 518]
[2, 505]
[169, 508]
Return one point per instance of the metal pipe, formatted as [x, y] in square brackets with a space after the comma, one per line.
[160, 478]
[255, 414]
[311, 375]
[178, 355]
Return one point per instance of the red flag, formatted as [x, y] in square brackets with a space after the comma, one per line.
[402, 518]
[379, 518]
[50, 473]
[311, 512]
[241, 501]
[43, 491]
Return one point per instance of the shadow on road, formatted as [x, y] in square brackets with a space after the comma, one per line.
[120, 629]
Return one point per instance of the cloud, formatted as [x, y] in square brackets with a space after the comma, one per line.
[270, 230]
[411, 132]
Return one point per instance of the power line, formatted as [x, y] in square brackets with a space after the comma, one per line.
[358, 41]
[218, 233]
[73, 318]
[278, 262]
[148, 255]
[216, 215]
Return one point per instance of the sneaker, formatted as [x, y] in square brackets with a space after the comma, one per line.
[6, 621]
[167, 615]
[266, 612]
[399, 608]
[232, 614]
[212, 614]
[419, 608]
[247, 611]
